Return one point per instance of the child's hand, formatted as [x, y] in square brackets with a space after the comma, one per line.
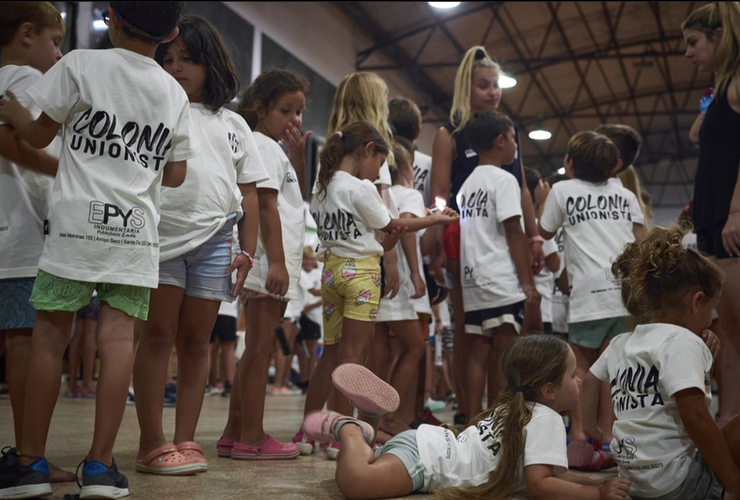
[533, 297]
[391, 238]
[11, 109]
[446, 216]
[242, 264]
[277, 280]
[392, 280]
[295, 143]
[712, 342]
[419, 286]
[615, 489]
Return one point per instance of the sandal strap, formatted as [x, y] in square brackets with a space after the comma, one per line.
[162, 450]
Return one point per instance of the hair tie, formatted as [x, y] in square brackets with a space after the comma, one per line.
[480, 54]
[339, 133]
[520, 388]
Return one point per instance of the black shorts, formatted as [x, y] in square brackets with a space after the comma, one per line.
[224, 329]
[482, 321]
[709, 241]
[310, 330]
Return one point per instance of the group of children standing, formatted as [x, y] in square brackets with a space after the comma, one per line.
[142, 210]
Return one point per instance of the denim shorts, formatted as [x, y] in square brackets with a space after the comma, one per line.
[15, 311]
[203, 271]
[53, 293]
[404, 446]
[591, 334]
[700, 484]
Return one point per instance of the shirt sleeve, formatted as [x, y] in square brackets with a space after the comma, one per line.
[553, 216]
[369, 206]
[637, 216]
[545, 442]
[684, 363]
[412, 202]
[57, 92]
[272, 163]
[184, 142]
[22, 80]
[508, 197]
[600, 368]
[249, 167]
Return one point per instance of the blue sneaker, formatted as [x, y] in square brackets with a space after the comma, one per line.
[99, 481]
[17, 481]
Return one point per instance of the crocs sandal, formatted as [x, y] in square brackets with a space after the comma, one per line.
[167, 461]
[224, 446]
[305, 444]
[583, 456]
[193, 451]
[366, 391]
[271, 449]
[324, 426]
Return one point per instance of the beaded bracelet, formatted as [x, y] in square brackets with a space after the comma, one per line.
[246, 254]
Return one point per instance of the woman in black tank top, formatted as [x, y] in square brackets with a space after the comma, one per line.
[476, 89]
[712, 35]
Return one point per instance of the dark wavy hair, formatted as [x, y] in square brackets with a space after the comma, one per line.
[267, 88]
[206, 47]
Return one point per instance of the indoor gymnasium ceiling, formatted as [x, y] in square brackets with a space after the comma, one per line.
[577, 65]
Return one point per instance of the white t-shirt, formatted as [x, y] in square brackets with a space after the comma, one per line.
[467, 459]
[645, 369]
[347, 215]
[423, 175]
[283, 179]
[597, 220]
[487, 198]
[196, 210]
[559, 299]
[24, 194]
[311, 281]
[229, 309]
[544, 283]
[124, 118]
[411, 201]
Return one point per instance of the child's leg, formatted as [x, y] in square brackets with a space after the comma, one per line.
[502, 337]
[89, 347]
[606, 414]
[281, 359]
[197, 317]
[405, 374]
[321, 385]
[312, 346]
[379, 358]
[584, 359]
[16, 359]
[157, 336]
[48, 342]
[73, 356]
[356, 338]
[228, 361]
[461, 341]
[476, 373]
[731, 431]
[115, 338]
[263, 316]
[360, 475]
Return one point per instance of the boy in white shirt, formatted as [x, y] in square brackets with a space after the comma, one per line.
[126, 133]
[496, 275]
[598, 218]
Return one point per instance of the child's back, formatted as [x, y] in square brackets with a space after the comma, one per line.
[123, 114]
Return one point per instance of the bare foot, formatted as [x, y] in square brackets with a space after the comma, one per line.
[57, 475]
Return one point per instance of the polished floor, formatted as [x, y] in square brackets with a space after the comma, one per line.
[303, 478]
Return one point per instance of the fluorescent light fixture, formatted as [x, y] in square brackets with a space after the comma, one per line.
[99, 25]
[444, 5]
[539, 134]
[506, 82]
[561, 170]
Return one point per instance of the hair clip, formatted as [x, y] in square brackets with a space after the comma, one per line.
[339, 133]
[480, 54]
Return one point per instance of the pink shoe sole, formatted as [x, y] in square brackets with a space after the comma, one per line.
[224, 446]
[366, 391]
[271, 449]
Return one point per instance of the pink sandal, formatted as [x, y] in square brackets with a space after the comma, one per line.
[167, 461]
[583, 456]
[324, 426]
[366, 391]
[224, 446]
[271, 449]
[193, 451]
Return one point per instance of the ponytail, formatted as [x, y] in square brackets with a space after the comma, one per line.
[349, 141]
[475, 57]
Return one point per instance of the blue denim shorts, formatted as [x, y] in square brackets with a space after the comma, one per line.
[15, 311]
[202, 272]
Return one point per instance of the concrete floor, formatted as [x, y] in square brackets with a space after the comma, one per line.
[303, 478]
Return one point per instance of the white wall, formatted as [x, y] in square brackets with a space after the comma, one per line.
[321, 36]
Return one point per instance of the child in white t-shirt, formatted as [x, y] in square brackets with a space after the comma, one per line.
[517, 445]
[273, 106]
[195, 247]
[598, 217]
[496, 276]
[665, 440]
[127, 132]
[348, 210]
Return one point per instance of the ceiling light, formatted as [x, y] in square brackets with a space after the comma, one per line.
[539, 134]
[99, 25]
[444, 5]
[506, 82]
[561, 170]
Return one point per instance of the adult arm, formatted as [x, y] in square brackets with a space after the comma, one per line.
[695, 127]
[536, 253]
[443, 154]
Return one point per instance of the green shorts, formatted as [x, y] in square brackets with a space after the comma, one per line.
[591, 334]
[52, 293]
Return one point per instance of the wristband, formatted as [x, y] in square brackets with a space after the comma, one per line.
[249, 257]
[536, 239]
